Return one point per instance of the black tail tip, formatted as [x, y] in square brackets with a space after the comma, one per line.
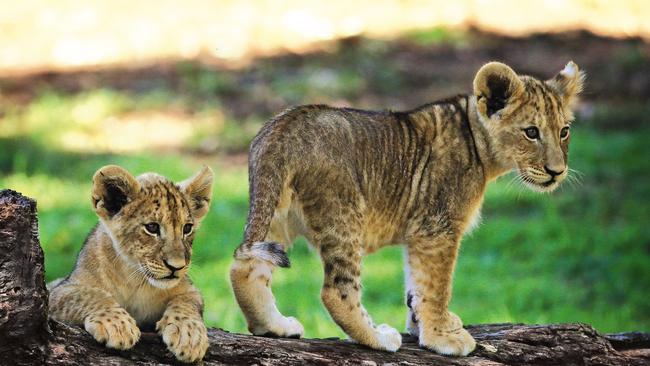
[280, 257]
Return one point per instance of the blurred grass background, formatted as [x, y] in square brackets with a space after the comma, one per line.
[579, 254]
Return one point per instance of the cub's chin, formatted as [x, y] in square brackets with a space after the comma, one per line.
[163, 283]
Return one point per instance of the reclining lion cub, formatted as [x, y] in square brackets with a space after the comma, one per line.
[132, 269]
[353, 181]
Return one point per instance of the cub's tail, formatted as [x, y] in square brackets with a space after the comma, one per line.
[267, 174]
[265, 250]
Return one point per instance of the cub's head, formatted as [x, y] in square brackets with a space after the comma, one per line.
[151, 220]
[529, 120]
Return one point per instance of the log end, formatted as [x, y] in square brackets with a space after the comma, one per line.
[23, 295]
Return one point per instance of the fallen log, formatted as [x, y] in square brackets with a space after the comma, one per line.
[28, 337]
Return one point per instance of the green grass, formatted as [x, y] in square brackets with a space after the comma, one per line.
[579, 254]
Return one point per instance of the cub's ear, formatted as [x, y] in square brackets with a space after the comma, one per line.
[568, 83]
[495, 86]
[113, 188]
[199, 190]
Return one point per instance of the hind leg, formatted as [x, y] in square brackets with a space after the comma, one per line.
[341, 295]
[251, 282]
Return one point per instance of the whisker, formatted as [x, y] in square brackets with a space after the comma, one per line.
[576, 172]
[576, 177]
[136, 274]
[131, 276]
[510, 183]
[190, 276]
[521, 182]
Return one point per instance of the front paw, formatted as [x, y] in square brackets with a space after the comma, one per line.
[185, 337]
[114, 327]
[447, 337]
[388, 338]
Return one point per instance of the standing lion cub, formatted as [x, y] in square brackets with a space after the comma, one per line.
[132, 269]
[353, 181]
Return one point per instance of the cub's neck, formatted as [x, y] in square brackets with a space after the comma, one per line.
[494, 165]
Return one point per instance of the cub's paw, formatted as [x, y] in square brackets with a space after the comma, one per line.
[448, 338]
[388, 338]
[185, 337]
[114, 327]
[283, 327]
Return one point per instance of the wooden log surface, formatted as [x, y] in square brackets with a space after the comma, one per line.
[27, 337]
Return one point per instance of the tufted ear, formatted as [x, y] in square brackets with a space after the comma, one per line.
[199, 190]
[113, 188]
[568, 83]
[495, 86]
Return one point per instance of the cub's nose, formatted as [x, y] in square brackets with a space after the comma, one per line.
[174, 264]
[553, 170]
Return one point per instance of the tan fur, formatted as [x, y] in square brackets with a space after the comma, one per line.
[122, 279]
[353, 181]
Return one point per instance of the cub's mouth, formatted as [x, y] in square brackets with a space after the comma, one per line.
[174, 275]
[549, 182]
[161, 280]
[539, 184]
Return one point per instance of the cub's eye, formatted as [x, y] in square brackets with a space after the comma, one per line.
[152, 228]
[532, 133]
[187, 229]
[564, 132]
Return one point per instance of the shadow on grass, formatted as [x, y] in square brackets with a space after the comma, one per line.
[27, 156]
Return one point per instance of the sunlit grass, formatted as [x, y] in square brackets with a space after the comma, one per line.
[114, 121]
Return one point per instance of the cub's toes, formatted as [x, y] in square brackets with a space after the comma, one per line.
[117, 329]
[457, 343]
[448, 337]
[284, 327]
[293, 328]
[388, 338]
[96, 329]
[187, 339]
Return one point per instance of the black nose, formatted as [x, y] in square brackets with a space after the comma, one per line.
[171, 268]
[553, 173]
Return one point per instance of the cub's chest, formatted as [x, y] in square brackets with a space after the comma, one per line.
[145, 304]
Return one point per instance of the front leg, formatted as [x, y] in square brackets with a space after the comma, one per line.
[96, 309]
[431, 265]
[182, 328]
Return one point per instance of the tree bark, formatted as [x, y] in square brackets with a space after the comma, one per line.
[27, 337]
[24, 330]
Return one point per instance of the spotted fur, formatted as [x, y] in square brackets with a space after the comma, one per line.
[353, 181]
[128, 276]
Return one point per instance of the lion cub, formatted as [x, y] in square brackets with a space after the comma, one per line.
[353, 181]
[132, 269]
